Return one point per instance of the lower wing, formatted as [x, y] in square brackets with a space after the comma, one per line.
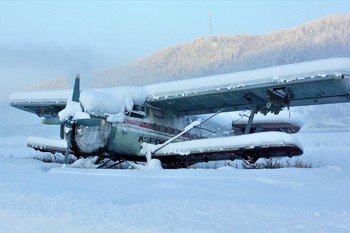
[248, 147]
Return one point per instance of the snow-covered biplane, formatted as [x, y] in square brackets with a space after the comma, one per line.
[184, 122]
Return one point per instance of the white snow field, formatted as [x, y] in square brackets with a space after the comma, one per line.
[48, 197]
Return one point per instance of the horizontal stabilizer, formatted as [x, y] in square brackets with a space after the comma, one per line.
[52, 121]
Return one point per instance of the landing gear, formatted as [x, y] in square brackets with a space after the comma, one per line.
[251, 157]
[179, 164]
[109, 163]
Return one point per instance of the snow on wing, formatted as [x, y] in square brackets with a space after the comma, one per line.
[98, 102]
[43, 103]
[269, 89]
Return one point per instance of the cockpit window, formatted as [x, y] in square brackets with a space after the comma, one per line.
[138, 111]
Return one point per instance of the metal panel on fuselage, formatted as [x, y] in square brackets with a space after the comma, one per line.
[126, 139]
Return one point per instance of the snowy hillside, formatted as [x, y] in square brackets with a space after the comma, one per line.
[323, 38]
[56, 83]
[42, 197]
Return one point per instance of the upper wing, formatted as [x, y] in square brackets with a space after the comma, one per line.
[265, 90]
[43, 103]
[97, 102]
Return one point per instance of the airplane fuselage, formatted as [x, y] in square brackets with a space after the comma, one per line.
[123, 139]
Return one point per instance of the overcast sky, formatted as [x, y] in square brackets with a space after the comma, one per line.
[41, 40]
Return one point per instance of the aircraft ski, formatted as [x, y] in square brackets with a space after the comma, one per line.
[188, 121]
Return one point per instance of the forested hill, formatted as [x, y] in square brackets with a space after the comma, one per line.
[55, 83]
[323, 38]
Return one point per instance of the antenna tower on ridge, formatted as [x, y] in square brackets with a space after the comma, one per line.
[210, 27]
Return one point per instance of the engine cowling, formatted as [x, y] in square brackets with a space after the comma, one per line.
[92, 139]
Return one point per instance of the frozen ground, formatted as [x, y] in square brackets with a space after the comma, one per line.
[40, 197]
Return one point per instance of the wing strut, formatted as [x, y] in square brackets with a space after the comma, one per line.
[251, 118]
[62, 131]
[69, 144]
[187, 128]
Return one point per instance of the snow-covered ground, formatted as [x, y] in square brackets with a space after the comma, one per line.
[42, 197]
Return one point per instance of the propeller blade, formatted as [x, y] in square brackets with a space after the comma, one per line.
[62, 131]
[90, 122]
[69, 143]
[52, 121]
[76, 90]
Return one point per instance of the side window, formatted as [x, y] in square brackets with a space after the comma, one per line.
[138, 111]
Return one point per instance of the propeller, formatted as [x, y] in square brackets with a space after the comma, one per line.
[70, 122]
[82, 122]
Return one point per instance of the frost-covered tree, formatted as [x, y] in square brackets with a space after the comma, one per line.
[56, 83]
